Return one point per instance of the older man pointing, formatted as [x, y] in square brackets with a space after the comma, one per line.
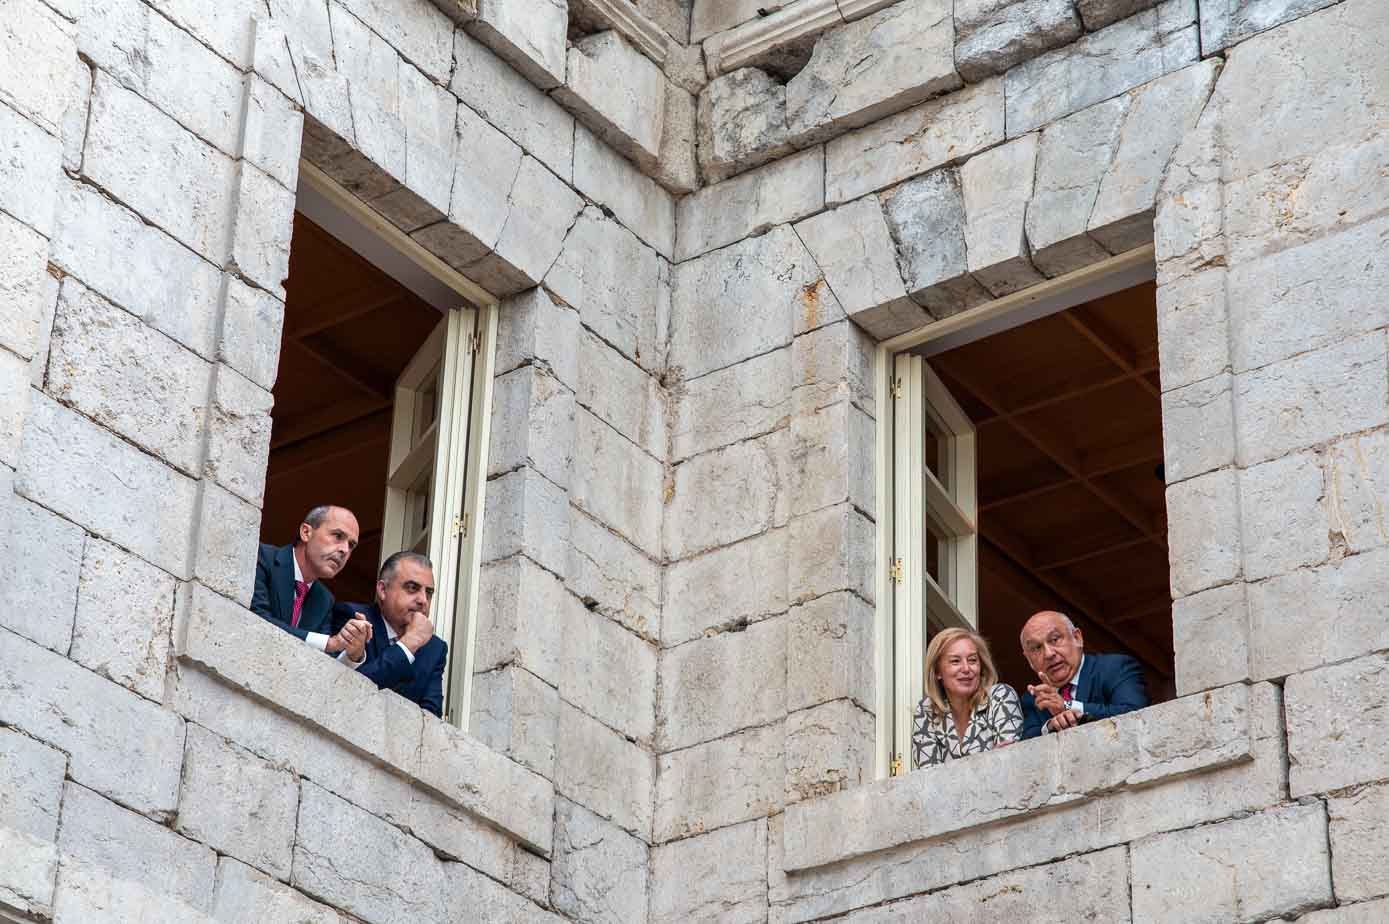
[1073, 687]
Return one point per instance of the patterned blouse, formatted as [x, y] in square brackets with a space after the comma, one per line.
[996, 720]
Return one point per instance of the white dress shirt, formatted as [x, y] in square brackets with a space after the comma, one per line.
[392, 637]
[1075, 705]
[318, 639]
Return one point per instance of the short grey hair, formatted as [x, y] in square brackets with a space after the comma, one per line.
[390, 565]
[318, 515]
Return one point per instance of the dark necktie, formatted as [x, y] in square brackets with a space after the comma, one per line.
[1067, 692]
[301, 590]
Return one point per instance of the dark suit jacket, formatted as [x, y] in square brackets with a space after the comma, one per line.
[273, 598]
[387, 666]
[1109, 685]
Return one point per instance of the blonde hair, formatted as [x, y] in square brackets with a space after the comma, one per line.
[988, 674]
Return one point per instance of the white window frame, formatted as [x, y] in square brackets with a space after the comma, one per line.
[906, 497]
[464, 346]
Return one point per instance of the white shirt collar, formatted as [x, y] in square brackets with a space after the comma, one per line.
[294, 556]
[1075, 678]
[390, 632]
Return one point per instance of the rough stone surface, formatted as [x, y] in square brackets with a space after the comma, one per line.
[600, 872]
[996, 187]
[1227, 22]
[530, 36]
[125, 609]
[31, 786]
[636, 200]
[714, 686]
[1204, 547]
[719, 876]
[829, 652]
[24, 253]
[619, 93]
[741, 123]
[37, 49]
[720, 783]
[740, 402]
[926, 217]
[535, 425]
[1282, 868]
[91, 892]
[854, 250]
[1210, 632]
[752, 203]
[243, 894]
[30, 873]
[621, 394]
[588, 756]
[514, 713]
[829, 748]
[994, 35]
[1198, 428]
[609, 574]
[723, 589]
[617, 483]
[1297, 535]
[609, 673]
[722, 497]
[1335, 729]
[40, 558]
[1359, 846]
[678, 168]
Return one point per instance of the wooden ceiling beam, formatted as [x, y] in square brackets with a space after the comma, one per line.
[1054, 398]
[335, 416]
[1142, 612]
[344, 317]
[1096, 552]
[341, 367]
[1100, 471]
[1105, 345]
[341, 440]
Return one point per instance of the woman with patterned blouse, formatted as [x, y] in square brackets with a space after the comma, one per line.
[965, 710]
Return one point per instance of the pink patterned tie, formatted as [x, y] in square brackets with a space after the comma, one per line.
[1066, 692]
[301, 590]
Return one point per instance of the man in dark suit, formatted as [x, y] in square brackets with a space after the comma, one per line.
[289, 589]
[403, 653]
[1073, 687]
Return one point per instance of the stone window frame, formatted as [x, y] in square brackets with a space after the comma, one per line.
[897, 700]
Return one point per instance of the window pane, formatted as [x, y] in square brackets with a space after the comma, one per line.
[426, 406]
[937, 451]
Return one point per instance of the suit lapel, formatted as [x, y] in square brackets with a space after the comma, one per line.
[284, 582]
[1089, 672]
[379, 640]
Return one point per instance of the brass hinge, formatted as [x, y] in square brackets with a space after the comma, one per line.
[466, 518]
[895, 769]
[896, 387]
[475, 342]
[894, 571]
[458, 528]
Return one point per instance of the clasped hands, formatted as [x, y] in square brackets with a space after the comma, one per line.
[351, 638]
[1047, 697]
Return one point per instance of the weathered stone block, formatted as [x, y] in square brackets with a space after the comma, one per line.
[541, 210]
[1100, 13]
[1229, 22]
[529, 36]
[1193, 329]
[1101, 65]
[855, 251]
[994, 35]
[609, 673]
[726, 588]
[611, 576]
[533, 417]
[243, 894]
[237, 803]
[835, 551]
[1336, 735]
[711, 16]
[223, 560]
[1210, 633]
[488, 86]
[533, 328]
[828, 748]
[125, 609]
[637, 201]
[617, 483]
[831, 364]
[874, 67]
[589, 757]
[619, 93]
[1357, 478]
[1283, 520]
[1198, 428]
[721, 497]
[752, 203]
[40, 558]
[926, 218]
[933, 134]
[1359, 831]
[238, 424]
[520, 606]
[23, 260]
[720, 783]
[133, 848]
[78, 470]
[16, 375]
[719, 876]
[997, 186]
[273, 134]
[37, 49]
[713, 686]
[1360, 913]
[527, 514]
[1278, 864]
[29, 874]
[611, 279]
[31, 786]
[678, 168]
[132, 149]
[600, 872]
[1203, 532]
[33, 161]
[740, 402]
[516, 714]
[741, 123]
[829, 652]
[622, 394]
[830, 459]
[90, 892]
[73, 129]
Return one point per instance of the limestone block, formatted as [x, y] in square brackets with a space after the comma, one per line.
[15, 378]
[73, 129]
[225, 29]
[739, 402]
[31, 786]
[1210, 632]
[124, 612]
[900, 147]
[621, 394]
[488, 899]
[133, 848]
[589, 757]
[725, 589]
[89, 892]
[638, 202]
[488, 86]
[678, 168]
[610, 278]
[40, 558]
[430, 114]
[132, 150]
[829, 653]
[1257, 867]
[529, 36]
[1100, 13]
[533, 418]
[520, 606]
[1203, 518]
[1072, 158]
[420, 30]
[617, 483]
[37, 49]
[1160, 115]
[711, 16]
[526, 513]
[243, 894]
[29, 874]
[368, 867]
[926, 218]
[997, 186]
[712, 326]
[720, 783]
[1228, 22]
[994, 35]
[38, 363]
[516, 714]
[159, 403]
[833, 363]
[1357, 479]
[730, 681]
[33, 161]
[1101, 65]
[1297, 535]
[1360, 913]
[273, 129]
[169, 287]
[533, 328]
[455, 834]
[223, 560]
[828, 748]
[721, 497]
[1283, 407]
[1359, 842]
[86, 474]
[238, 434]
[719, 876]
[835, 550]
[1193, 329]
[1335, 733]
[611, 576]
[684, 68]
[609, 673]
[1198, 427]
[881, 64]
[23, 260]
[854, 250]
[742, 123]
[750, 204]
[619, 93]
[600, 872]
[541, 210]
[830, 459]
[530, 876]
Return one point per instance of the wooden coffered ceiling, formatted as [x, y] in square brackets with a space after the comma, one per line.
[349, 331]
[1072, 511]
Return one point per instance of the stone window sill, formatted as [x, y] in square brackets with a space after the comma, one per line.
[247, 652]
[1193, 734]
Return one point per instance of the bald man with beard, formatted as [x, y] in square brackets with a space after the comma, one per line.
[1073, 687]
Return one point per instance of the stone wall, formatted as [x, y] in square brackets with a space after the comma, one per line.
[675, 701]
